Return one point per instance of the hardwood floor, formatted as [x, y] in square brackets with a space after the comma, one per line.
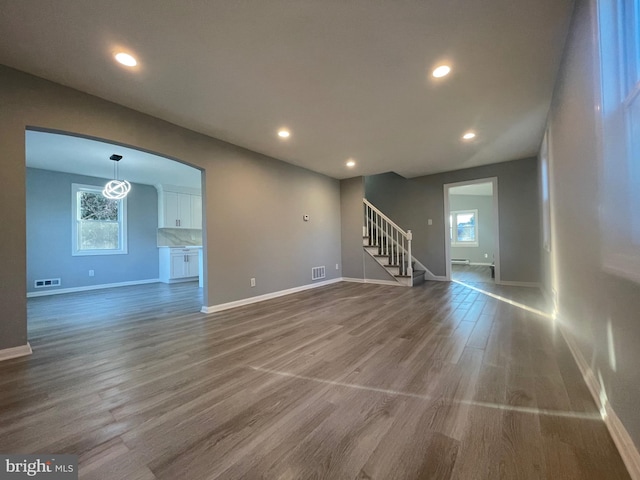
[473, 274]
[348, 381]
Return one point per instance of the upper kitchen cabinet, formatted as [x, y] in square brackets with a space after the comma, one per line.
[196, 212]
[179, 207]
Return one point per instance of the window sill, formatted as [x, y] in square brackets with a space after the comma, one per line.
[98, 252]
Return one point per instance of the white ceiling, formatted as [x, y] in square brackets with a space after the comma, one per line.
[65, 153]
[485, 189]
[349, 78]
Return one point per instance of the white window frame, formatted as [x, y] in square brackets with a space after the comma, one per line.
[619, 103]
[122, 223]
[453, 232]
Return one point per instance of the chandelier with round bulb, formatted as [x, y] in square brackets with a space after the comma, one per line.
[116, 189]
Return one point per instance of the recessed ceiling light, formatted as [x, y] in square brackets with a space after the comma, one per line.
[442, 71]
[469, 136]
[126, 59]
[351, 163]
[284, 133]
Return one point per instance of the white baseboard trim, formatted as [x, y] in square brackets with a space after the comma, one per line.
[352, 280]
[373, 281]
[509, 283]
[91, 287]
[435, 278]
[266, 296]
[627, 449]
[15, 352]
[180, 280]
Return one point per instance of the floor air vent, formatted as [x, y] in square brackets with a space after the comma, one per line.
[49, 282]
[317, 273]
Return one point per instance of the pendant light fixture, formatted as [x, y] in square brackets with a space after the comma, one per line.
[116, 189]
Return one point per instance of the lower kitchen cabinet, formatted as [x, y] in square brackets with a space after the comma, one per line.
[178, 264]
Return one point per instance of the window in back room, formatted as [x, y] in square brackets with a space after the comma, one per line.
[99, 226]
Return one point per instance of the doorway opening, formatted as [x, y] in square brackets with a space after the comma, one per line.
[472, 227]
[80, 240]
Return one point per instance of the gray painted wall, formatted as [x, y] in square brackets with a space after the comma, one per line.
[373, 270]
[49, 219]
[351, 214]
[486, 234]
[254, 204]
[589, 298]
[411, 202]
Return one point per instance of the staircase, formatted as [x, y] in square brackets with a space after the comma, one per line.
[390, 246]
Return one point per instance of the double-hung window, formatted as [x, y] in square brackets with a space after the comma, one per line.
[619, 33]
[463, 228]
[99, 224]
[631, 102]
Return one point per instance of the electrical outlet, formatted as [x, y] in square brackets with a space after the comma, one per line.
[337, 267]
[253, 282]
[429, 222]
[486, 255]
[91, 273]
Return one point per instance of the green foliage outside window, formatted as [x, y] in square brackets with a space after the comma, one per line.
[94, 206]
[98, 227]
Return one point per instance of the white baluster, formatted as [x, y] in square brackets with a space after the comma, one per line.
[409, 266]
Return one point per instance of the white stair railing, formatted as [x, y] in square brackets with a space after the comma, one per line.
[391, 240]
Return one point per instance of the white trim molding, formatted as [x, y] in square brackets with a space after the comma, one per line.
[15, 352]
[266, 296]
[94, 287]
[373, 281]
[509, 283]
[623, 441]
[496, 227]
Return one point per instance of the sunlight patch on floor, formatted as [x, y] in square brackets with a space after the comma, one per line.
[496, 406]
[506, 300]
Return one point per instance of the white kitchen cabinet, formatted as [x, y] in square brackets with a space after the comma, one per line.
[178, 264]
[196, 212]
[179, 210]
[191, 264]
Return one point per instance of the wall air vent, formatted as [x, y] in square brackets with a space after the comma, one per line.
[49, 282]
[317, 273]
[460, 261]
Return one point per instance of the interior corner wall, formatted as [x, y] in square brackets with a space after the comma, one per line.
[351, 214]
[599, 309]
[412, 202]
[254, 204]
[49, 236]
